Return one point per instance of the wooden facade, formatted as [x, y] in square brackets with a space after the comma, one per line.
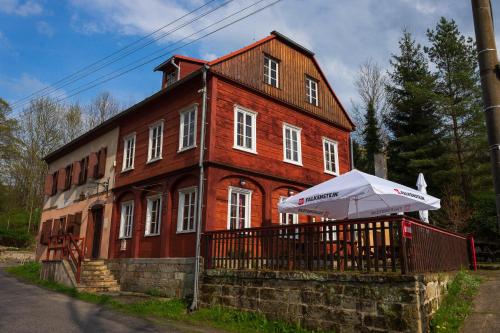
[233, 81]
[246, 68]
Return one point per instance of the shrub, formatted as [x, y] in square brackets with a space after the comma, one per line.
[16, 238]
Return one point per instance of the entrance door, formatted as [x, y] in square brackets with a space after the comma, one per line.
[96, 237]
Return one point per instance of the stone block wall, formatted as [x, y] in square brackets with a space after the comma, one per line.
[16, 256]
[340, 302]
[169, 277]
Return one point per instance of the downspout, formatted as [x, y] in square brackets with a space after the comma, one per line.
[177, 67]
[199, 219]
[351, 151]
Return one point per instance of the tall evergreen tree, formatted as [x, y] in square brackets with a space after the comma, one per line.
[412, 119]
[459, 104]
[371, 136]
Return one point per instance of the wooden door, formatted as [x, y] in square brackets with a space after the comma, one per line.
[95, 233]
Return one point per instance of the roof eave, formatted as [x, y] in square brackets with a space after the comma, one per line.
[109, 123]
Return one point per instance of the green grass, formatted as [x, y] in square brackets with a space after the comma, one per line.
[457, 303]
[173, 309]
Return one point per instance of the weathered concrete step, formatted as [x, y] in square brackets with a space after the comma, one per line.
[94, 268]
[96, 273]
[98, 289]
[93, 262]
[104, 279]
[99, 284]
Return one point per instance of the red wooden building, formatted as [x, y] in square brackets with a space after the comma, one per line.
[269, 124]
[273, 126]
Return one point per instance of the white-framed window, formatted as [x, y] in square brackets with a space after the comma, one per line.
[245, 129]
[187, 129]
[128, 152]
[330, 156]
[289, 219]
[239, 208]
[186, 216]
[153, 216]
[126, 219]
[271, 71]
[329, 229]
[155, 141]
[171, 78]
[312, 90]
[292, 150]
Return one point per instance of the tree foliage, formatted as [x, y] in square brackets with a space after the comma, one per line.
[370, 86]
[412, 119]
[459, 104]
[43, 126]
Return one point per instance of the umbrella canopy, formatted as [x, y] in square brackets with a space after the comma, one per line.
[422, 187]
[357, 194]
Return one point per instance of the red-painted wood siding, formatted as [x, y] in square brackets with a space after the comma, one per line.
[166, 108]
[248, 68]
[270, 119]
[187, 67]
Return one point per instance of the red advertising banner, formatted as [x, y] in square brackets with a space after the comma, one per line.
[406, 226]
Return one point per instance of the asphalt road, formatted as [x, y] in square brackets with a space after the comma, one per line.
[28, 308]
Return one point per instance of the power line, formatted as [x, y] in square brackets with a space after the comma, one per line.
[130, 52]
[117, 73]
[87, 67]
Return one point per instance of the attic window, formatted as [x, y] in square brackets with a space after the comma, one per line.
[271, 71]
[171, 78]
[312, 90]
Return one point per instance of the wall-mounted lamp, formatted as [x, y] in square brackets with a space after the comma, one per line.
[290, 192]
[242, 182]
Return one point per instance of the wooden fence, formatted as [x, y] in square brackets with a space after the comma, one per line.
[393, 243]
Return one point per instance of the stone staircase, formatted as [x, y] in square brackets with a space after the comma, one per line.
[96, 277]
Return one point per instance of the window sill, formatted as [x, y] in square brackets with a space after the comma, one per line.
[154, 160]
[246, 150]
[126, 170]
[124, 238]
[294, 163]
[181, 150]
[331, 173]
[186, 232]
[152, 235]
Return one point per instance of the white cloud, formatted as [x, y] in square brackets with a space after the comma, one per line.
[21, 8]
[209, 56]
[343, 34]
[24, 85]
[44, 28]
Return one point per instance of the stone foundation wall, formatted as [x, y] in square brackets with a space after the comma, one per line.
[59, 271]
[169, 277]
[330, 301]
[17, 256]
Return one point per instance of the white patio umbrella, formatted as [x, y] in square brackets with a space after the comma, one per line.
[357, 194]
[422, 187]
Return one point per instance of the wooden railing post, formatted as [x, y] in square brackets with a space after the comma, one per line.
[403, 254]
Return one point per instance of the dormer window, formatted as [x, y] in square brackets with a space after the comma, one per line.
[170, 78]
[312, 90]
[271, 71]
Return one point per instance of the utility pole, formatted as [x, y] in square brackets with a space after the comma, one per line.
[490, 82]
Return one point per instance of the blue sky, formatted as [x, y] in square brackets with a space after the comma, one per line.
[43, 41]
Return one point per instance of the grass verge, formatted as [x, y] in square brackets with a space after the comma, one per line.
[457, 303]
[174, 309]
